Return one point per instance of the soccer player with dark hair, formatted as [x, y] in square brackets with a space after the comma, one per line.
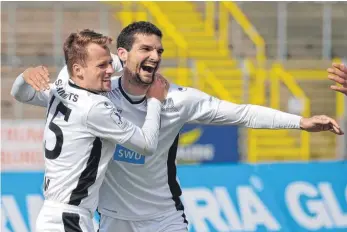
[142, 193]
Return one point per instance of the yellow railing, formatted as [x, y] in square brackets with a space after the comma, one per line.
[207, 77]
[247, 27]
[257, 89]
[278, 75]
[319, 75]
[209, 17]
[169, 30]
[226, 8]
[174, 75]
[172, 32]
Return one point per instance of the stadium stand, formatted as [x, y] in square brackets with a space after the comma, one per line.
[32, 34]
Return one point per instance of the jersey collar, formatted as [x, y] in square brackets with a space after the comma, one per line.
[126, 96]
[79, 87]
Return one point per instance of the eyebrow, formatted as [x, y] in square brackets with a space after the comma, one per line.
[105, 61]
[149, 46]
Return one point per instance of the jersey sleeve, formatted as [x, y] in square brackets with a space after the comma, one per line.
[24, 93]
[254, 116]
[104, 121]
[117, 63]
[197, 106]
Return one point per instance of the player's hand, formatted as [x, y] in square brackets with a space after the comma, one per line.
[159, 88]
[338, 73]
[37, 77]
[320, 123]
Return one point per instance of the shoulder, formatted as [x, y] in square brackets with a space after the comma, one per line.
[185, 95]
[97, 99]
[115, 92]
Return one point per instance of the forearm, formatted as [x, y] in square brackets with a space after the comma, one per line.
[21, 91]
[145, 139]
[255, 116]
[24, 93]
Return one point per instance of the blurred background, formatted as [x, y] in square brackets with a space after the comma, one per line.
[267, 53]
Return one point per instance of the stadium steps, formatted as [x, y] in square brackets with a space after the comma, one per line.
[312, 78]
[304, 31]
[274, 145]
[202, 46]
[271, 145]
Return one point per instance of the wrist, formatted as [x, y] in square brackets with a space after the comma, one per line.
[26, 72]
[301, 123]
[153, 100]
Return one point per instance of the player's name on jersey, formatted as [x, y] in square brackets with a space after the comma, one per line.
[63, 93]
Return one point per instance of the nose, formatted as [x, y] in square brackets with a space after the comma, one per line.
[110, 69]
[154, 55]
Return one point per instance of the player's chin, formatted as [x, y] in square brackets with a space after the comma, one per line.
[106, 85]
[147, 78]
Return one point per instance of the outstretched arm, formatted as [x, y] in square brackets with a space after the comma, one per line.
[255, 116]
[202, 108]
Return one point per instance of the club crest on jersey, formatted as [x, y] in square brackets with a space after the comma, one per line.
[169, 106]
[108, 106]
[117, 118]
[182, 89]
[126, 155]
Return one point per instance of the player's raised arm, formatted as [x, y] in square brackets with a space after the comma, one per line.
[207, 109]
[105, 121]
[32, 86]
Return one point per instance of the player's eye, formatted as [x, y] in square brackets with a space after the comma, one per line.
[146, 49]
[103, 65]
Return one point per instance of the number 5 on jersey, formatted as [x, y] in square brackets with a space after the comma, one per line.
[53, 154]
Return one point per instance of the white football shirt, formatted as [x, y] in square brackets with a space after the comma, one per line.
[138, 187]
[146, 187]
[81, 130]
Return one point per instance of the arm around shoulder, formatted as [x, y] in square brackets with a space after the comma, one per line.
[104, 121]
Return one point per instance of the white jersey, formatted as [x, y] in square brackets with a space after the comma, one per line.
[81, 130]
[138, 187]
[141, 188]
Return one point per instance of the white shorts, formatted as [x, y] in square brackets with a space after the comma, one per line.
[173, 221]
[58, 217]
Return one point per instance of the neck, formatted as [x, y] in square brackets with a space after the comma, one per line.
[80, 83]
[132, 87]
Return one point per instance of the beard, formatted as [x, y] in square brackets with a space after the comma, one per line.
[137, 79]
[140, 81]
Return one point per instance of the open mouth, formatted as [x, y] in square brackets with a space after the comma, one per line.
[148, 68]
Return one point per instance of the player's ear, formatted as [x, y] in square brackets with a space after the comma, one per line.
[77, 70]
[122, 54]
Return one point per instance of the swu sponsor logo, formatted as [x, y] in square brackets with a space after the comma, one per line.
[311, 207]
[126, 155]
